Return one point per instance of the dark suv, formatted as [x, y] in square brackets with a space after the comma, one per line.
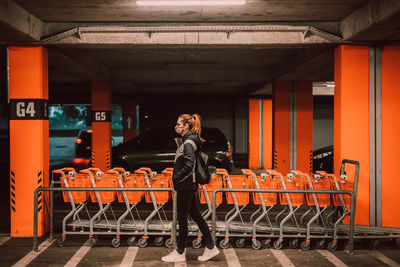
[156, 148]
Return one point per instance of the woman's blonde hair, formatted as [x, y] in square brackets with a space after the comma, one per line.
[194, 122]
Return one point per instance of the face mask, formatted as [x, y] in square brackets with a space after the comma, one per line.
[179, 129]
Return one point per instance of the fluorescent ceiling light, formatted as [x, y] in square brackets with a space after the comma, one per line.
[190, 2]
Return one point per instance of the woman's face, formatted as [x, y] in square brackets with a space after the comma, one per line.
[180, 127]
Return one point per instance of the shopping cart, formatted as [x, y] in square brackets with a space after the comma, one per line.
[266, 201]
[131, 200]
[78, 200]
[158, 200]
[104, 199]
[239, 202]
[292, 203]
[315, 201]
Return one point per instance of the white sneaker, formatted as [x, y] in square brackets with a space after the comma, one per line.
[174, 256]
[208, 254]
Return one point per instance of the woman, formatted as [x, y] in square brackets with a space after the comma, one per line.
[189, 127]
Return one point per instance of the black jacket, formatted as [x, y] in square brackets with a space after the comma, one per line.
[184, 162]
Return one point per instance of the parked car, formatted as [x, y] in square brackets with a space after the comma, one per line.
[83, 143]
[323, 159]
[156, 148]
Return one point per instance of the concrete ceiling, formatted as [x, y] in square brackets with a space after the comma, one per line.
[128, 11]
[193, 50]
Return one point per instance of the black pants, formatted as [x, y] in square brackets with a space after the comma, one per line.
[188, 204]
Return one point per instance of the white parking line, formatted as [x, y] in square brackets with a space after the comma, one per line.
[231, 257]
[282, 258]
[332, 258]
[129, 257]
[84, 249]
[4, 240]
[384, 259]
[33, 254]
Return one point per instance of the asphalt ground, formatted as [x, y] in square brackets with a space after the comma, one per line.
[77, 252]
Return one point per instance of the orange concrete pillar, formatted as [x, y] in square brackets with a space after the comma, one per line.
[390, 136]
[29, 138]
[281, 98]
[101, 125]
[351, 118]
[260, 133]
[129, 118]
[304, 126]
[293, 120]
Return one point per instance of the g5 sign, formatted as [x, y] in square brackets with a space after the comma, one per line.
[29, 109]
[101, 116]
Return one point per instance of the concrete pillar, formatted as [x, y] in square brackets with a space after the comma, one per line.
[29, 138]
[260, 133]
[304, 127]
[389, 190]
[351, 119]
[101, 125]
[293, 116]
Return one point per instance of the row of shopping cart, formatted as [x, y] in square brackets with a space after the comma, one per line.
[273, 217]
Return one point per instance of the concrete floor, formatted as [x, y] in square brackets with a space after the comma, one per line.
[77, 253]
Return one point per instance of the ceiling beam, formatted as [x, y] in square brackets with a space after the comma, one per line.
[273, 36]
[20, 20]
[356, 26]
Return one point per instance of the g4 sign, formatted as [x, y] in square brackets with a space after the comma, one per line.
[28, 109]
[101, 116]
[22, 110]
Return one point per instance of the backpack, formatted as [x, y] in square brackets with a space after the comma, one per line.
[201, 171]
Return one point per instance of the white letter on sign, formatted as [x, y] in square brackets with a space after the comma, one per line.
[20, 109]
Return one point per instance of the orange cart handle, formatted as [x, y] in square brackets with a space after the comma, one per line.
[119, 169]
[145, 169]
[247, 171]
[113, 171]
[222, 171]
[141, 172]
[299, 173]
[94, 169]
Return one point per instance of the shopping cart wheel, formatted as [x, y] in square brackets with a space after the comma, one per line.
[169, 243]
[320, 244]
[373, 243]
[158, 241]
[266, 243]
[142, 243]
[278, 244]
[240, 243]
[61, 242]
[224, 243]
[294, 243]
[115, 242]
[305, 245]
[92, 241]
[196, 243]
[131, 241]
[332, 246]
[256, 244]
